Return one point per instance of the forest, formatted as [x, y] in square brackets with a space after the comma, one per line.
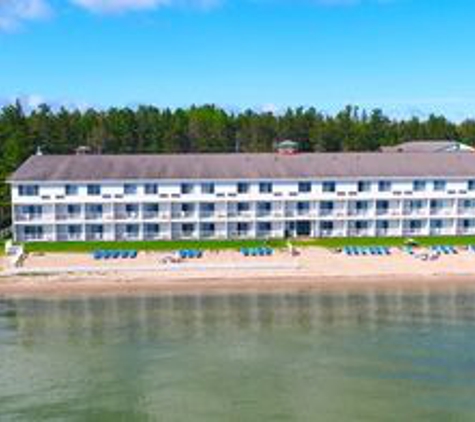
[207, 128]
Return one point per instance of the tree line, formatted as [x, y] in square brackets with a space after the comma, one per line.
[208, 128]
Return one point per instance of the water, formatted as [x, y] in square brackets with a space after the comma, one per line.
[366, 356]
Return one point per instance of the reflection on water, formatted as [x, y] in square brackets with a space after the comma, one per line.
[371, 355]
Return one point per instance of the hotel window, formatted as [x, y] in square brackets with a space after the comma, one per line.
[130, 189]
[264, 227]
[361, 225]
[419, 185]
[33, 232]
[243, 207]
[382, 225]
[243, 228]
[326, 225]
[329, 186]
[151, 189]
[471, 185]
[151, 208]
[440, 185]
[93, 190]
[265, 187]
[243, 187]
[436, 224]
[207, 208]
[362, 205]
[132, 230]
[95, 209]
[305, 187]
[73, 209]
[74, 230]
[264, 207]
[187, 229]
[71, 190]
[151, 229]
[468, 224]
[468, 203]
[207, 188]
[303, 207]
[28, 190]
[415, 224]
[364, 186]
[327, 206]
[382, 206]
[384, 186]
[208, 228]
[186, 188]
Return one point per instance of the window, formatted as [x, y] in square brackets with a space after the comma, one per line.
[130, 189]
[264, 207]
[436, 224]
[467, 224]
[208, 229]
[74, 230]
[207, 188]
[329, 187]
[132, 230]
[207, 207]
[71, 190]
[151, 208]
[93, 190]
[364, 186]
[151, 229]
[361, 225]
[327, 225]
[73, 209]
[264, 227]
[471, 185]
[265, 187]
[97, 229]
[151, 189]
[327, 206]
[382, 205]
[33, 232]
[28, 190]
[131, 209]
[305, 187]
[419, 185]
[415, 224]
[186, 188]
[382, 225]
[94, 209]
[384, 186]
[303, 207]
[243, 228]
[440, 185]
[362, 205]
[243, 187]
[243, 206]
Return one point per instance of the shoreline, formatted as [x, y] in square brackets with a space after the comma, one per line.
[54, 286]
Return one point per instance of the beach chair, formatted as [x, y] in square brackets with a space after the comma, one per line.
[98, 254]
[106, 254]
[133, 254]
[116, 254]
[124, 254]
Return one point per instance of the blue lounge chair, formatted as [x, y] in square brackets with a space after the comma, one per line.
[98, 254]
[133, 254]
[124, 254]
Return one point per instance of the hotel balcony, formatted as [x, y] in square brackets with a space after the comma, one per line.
[95, 216]
[184, 215]
[69, 237]
[127, 215]
[95, 236]
[442, 211]
[24, 217]
[68, 217]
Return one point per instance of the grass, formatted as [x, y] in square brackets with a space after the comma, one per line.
[151, 246]
[81, 247]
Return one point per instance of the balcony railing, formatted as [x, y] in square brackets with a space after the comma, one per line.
[32, 216]
[71, 216]
[94, 216]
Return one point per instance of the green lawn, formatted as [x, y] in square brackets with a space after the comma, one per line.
[151, 246]
[237, 244]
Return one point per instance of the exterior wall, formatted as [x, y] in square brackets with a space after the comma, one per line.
[356, 208]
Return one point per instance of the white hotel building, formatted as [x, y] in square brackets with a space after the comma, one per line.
[230, 196]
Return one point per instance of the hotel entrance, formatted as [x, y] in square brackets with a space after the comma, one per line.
[298, 229]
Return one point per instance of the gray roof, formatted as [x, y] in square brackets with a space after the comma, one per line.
[428, 146]
[244, 166]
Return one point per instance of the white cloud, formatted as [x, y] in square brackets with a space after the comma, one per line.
[14, 12]
[118, 6]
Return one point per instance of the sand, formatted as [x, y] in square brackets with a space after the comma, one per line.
[314, 268]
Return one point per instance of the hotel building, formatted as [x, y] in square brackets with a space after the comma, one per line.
[231, 196]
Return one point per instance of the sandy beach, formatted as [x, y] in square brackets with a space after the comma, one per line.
[313, 268]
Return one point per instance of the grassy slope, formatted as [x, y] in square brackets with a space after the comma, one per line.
[236, 244]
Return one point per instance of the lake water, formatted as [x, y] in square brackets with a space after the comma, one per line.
[366, 356]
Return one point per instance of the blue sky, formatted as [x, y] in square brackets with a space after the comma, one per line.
[409, 57]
